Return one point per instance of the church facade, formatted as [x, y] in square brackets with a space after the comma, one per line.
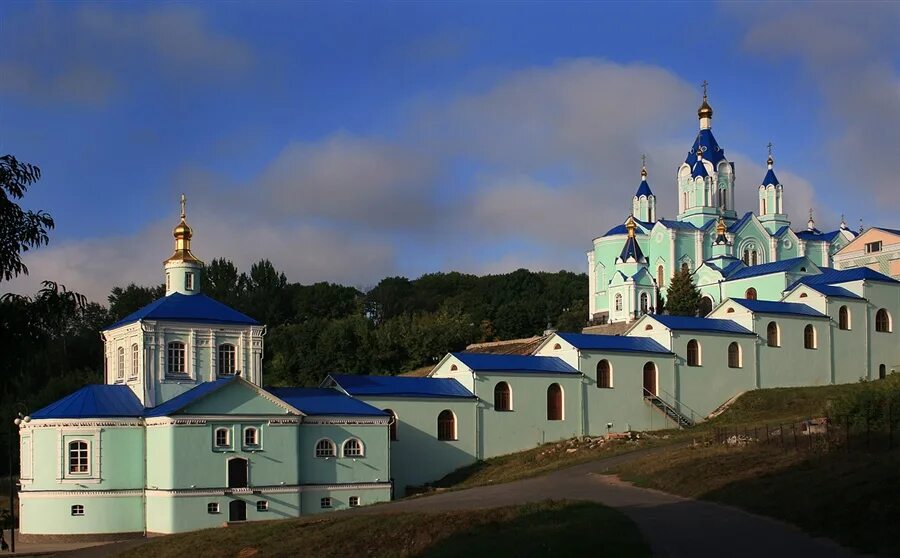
[624, 285]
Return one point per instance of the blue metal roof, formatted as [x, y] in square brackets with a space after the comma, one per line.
[677, 224]
[783, 229]
[187, 308]
[780, 266]
[621, 229]
[401, 386]
[691, 323]
[726, 265]
[94, 401]
[699, 170]
[736, 226]
[831, 276]
[835, 292]
[817, 235]
[643, 189]
[324, 401]
[631, 250]
[711, 150]
[777, 307]
[770, 179]
[179, 402]
[486, 362]
[616, 343]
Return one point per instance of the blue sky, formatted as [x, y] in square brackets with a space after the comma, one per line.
[347, 142]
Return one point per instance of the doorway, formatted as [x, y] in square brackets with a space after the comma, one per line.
[650, 380]
[237, 473]
[237, 510]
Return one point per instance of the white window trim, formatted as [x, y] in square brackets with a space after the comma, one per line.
[228, 445]
[333, 449]
[255, 446]
[92, 437]
[362, 448]
[135, 361]
[455, 437]
[234, 359]
[177, 375]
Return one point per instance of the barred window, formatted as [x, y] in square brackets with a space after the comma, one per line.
[77, 510]
[325, 448]
[353, 448]
[325, 503]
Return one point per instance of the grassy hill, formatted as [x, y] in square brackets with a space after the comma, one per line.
[546, 529]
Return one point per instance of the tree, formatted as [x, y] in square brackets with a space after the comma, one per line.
[682, 297]
[133, 297]
[20, 230]
[223, 282]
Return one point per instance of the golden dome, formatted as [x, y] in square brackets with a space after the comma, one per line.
[182, 230]
[720, 227]
[183, 233]
[630, 225]
[705, 111]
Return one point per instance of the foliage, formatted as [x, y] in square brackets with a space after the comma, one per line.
[125, 301]
[20, 230]
[682, 296]
[874, 403]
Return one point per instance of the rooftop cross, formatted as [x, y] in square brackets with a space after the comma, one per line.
[643, 159]
[769, 145]
[704, 85]
[183, 203]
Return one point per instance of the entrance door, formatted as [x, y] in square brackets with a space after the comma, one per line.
[649, 379]
[237, 473]
[237, 510]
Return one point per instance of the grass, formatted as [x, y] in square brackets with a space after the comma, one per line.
[850, 497]
[540, 460]
[544, 529]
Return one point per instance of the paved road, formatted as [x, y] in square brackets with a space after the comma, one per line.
[673, 526]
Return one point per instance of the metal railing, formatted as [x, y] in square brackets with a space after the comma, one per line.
[670, 410]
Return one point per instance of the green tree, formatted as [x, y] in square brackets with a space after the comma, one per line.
[20, 230]
[133, 297]
[223, 282]
[682, 297]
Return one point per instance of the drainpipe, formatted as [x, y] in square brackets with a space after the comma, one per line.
[144, 480]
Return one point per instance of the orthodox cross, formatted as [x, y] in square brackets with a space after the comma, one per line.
[183, 203]
[810, 214]
[643, 159]
[769, 145]
[704, 85]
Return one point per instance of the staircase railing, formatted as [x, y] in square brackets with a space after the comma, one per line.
[672, 411]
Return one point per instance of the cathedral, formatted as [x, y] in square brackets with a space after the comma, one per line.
[629, 267]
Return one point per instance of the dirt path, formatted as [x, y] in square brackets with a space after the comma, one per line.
[672, 525]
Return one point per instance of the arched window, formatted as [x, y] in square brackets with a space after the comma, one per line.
[734, 356]
[882, 371]
[325, 448]
[502, 397]
[660, 275]
[120, 364]
[453, 368]
[803, 295]
[79, 458]
[705, 307]
[809, 337]
[604, 374]
[773, 335]
[750, 294]
[730, 310]
[844, 318]
[135, 353]
[649, 384]
[883, 321]
[353, 447]
[446, 425]
[645, 303]
[693, 353]
[221, 438]
[557, 346]
[648, 327]
[754, 259]
[554, 402]
[618, 302]
[251, 437]
[175, 359]
[393, 425]
[227, 359]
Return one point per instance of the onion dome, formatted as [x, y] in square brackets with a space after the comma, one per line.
[770, 178]
[183, 233]
[721, 228]
[644, 187]
[705, 111]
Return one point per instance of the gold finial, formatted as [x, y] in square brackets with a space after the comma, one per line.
[643, 166]
[770, 161]
[630, 225]
[720, 227]
[183, 233]
[811, 224]
[705, 111]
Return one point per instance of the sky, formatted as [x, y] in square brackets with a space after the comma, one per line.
[347, 142]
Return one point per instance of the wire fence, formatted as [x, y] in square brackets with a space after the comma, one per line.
[846, 433]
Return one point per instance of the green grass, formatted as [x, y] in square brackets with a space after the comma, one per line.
[849, 497]
[545, 529]
[537, 461]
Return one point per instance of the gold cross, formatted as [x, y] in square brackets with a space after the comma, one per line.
[183, 203]
[704, 85]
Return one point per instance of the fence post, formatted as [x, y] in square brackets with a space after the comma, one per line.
[767, 433]
[781, 430]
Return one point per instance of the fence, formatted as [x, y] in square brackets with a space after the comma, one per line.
[817, 434]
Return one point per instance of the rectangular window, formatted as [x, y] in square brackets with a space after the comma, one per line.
[262, 506]
[354, 501]
[77, 510]
[227, 359]
[168, 282]
[325, 503]
[78, 458]
[176, 359]
[873, 247]
[221, 438]
[120, 364]
[251, 437]
[189, 281]
[212, 507]
[134, 360]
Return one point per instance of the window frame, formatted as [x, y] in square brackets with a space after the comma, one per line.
[262, 505]
[319, 453]
[618, 302]
[442, 425]
[777, 343]
[213, 508]
[736, 358]
[257, 438]
[503, 397]
[885, 324]
[561, 415]
[361, 446]
[810, 342]
[605, 376]
[174, 348]
[325, 503]
[227, 432]
[353, 501]
[135, 361]
[84, 454]
[77, 510]
[693, 357]
[120, 364]
[226, 354]
[873, 247]
[844, 322]
[188, 281]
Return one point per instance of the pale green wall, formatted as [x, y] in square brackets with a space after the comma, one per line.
[373, 467]
[340, 499]
[526, 426]
[102, 514]
[182, 513]
[417, 456]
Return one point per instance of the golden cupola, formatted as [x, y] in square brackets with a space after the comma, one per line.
[182, 233]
